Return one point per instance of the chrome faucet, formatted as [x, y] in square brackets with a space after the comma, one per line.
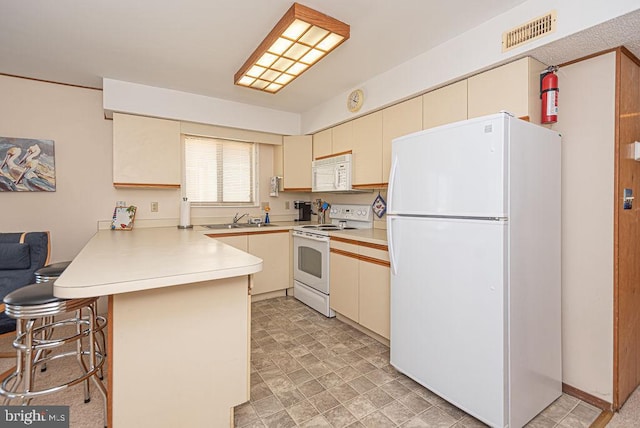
[236, 219]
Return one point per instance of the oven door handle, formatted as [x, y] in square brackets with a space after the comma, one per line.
[313, 238]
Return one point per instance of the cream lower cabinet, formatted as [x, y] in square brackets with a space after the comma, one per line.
[273, 247]
[375, 290]
[238, 241]
[344, 281]
[146, 152]
[360, 283]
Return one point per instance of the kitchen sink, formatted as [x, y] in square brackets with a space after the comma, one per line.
[221, 226]
[255, 225]
[237, 225]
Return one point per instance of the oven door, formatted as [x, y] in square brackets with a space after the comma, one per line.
[311, 261]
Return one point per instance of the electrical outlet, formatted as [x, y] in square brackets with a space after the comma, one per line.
[287, 205]
[154, 207]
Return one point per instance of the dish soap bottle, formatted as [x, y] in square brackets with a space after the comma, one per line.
[266, 215]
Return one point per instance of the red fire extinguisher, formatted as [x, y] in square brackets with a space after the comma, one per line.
[549, 95]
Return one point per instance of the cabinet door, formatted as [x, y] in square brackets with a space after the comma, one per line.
[278, 160]
[445, 105]
[400, 119]
[342, 137]
[344, 285]
[374, 295]
[146, 152]
[273, 249]
[297, 162]
[512, 87]
[322, 143]
[236, 241]
[367, 150]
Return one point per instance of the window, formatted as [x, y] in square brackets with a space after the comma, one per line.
[219, 172]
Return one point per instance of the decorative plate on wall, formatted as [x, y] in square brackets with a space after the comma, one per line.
[379, 206]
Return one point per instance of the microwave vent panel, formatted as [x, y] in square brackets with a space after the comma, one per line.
[333, 160]
[532, 30]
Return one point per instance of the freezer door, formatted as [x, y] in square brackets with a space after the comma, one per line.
[448, 310]
[454, 170]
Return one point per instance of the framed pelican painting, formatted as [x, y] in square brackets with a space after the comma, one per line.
[27, 165]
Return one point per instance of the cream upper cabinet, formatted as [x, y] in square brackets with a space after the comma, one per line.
[297, 156]
[445, 105]
[322, 143]
[342, 137]
[400, 119]
[273, 249]
[513, 87]
[367, 150]
[146, 152]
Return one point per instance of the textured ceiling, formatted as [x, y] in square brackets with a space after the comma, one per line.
[196, 46]
[622, 31]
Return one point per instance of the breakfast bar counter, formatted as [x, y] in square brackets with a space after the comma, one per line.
[179, 323]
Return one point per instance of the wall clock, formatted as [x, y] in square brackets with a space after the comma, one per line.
[355, 100]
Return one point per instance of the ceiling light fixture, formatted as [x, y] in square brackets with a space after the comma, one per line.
[301, 38]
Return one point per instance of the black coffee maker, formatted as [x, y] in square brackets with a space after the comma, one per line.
[304, 210]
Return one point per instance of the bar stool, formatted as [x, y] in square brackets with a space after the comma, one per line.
[50, 272]
[34, 308]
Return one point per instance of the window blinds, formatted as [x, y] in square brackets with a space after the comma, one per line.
[219, 172]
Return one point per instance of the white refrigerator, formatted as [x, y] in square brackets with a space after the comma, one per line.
[473, 228]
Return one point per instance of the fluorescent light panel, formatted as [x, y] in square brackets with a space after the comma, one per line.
[301, 38]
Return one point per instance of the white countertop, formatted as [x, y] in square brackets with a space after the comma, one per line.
[115, 262]
[374, 236]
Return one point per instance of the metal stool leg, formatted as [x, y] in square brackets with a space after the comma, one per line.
[35, 310]
[93, 316]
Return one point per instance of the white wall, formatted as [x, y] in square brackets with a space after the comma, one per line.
[133, 98]
[472, 52]
[74, 119]
[465, 55]
[586, 122]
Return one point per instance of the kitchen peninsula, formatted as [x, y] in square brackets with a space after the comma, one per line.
[179, 323]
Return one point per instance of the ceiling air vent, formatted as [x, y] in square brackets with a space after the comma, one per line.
[532, 30]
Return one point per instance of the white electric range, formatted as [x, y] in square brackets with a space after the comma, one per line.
[311, 268]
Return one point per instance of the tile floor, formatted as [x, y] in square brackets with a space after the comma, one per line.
[312, 371]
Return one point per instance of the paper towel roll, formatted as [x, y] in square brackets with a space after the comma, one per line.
[185, 213]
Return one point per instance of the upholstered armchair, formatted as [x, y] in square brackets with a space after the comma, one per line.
[21, 255]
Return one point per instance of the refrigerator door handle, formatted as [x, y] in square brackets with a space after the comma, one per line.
[392, 179]
[392, 258]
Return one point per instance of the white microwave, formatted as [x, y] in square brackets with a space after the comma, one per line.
[331, 174]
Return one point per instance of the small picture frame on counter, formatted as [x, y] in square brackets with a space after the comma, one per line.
[123, 217]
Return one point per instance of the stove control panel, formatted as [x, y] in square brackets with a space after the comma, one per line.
[351, 212]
